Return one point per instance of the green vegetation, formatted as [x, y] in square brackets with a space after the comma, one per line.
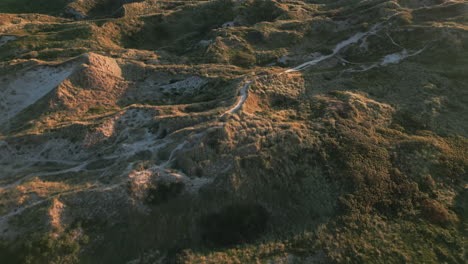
[63, 248]
[47, 248]
[243, 59]
[163, 192]
[54, 7]
[234, 224]
[359, 158]
[97, 110]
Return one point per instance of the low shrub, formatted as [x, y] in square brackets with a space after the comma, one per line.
[243, 59]
[435, 212]
[234, 224]
[162, 192]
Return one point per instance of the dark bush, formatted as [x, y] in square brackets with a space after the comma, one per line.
[410, 121]
[435, 212]
[8, 254]
[97, 110]
[164, 191]
[234, 224]
[243, 59]
[260, 10]
[45, 248]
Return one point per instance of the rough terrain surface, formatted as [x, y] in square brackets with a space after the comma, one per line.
[233, 131]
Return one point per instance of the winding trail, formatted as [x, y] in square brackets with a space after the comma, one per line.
[192, 184]
[242, 98]
[388, 59]
[354, 39]
[147, 142]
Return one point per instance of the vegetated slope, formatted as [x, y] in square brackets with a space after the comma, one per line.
[236, 132]
[39, 6]
[77, 9]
